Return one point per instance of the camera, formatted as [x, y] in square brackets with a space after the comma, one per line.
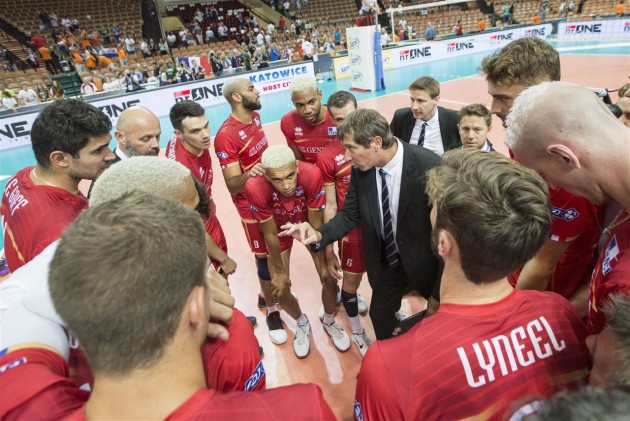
[604, 94]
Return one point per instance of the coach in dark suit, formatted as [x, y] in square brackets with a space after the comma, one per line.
[397, 250]
[424, 123]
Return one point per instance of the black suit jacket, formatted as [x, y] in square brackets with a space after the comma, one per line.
[403, 122]
[413, 227]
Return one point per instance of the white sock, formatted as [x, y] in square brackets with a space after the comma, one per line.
[272, 309]
[328, 318]
[302, 320]
[355, 322]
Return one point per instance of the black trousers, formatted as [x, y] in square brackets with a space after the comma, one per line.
[387, 291]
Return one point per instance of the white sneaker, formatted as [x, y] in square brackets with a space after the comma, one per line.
[362, 341]
[302, 341]
[338, 335]
[277, 334]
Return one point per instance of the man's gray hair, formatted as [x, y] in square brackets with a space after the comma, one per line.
[587, 403]
[159, 176]
[523, 106]
[302, 83]
[277, 156]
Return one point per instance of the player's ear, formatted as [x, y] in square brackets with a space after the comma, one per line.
[196, 308]
[445, 243]
[566, 154]
[59, 159]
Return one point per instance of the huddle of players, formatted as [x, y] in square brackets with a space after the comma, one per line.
[550, 334]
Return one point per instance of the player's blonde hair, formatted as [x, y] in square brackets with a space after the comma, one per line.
[277, 156]
[302, 83]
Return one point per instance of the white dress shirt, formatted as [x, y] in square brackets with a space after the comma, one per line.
[432, 134]
[394, 170]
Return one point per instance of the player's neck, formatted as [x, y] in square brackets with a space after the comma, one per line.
[151, 393]
[455, 288]
[191, 149]
[242, 114]
[49, 177]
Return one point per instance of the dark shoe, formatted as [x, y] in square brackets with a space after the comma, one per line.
[252, 320]
[277, 334]
[261, 301]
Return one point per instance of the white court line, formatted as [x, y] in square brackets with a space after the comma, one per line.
[591, 47]
[454, 102]
[4, 177]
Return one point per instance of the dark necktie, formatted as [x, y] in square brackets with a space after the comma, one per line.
[421, 138]
[388, 230]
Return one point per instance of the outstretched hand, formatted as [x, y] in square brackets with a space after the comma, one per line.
[303, 232]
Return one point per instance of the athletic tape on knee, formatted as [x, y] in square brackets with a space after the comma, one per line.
[263, 268]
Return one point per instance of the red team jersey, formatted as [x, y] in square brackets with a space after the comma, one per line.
[35, 385]
[611, 274]
[577, 220]
[309, 139]
[241, 144]
[474, 361]
[267, 203]
[33, 216]
[200, 167]
[300, 401]
[336, 170]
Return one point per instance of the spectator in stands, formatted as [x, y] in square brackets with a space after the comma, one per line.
[42, 92]
[430, 33]
[171, 40]
[56, 91]
[153, 48]
[87, 87]
[571, 6]
[131, 81]
[223, 32]
[619, 8]
[307, 48]
[75, 25]
[281, 24]
[144, 48]
[481, 23]
[117, 33]
[196, 70]
[44, 51]
[163, 47]
[98, 81]
[274, 52]
[209, 35]
[9, 101]
[43, 16]
[183, 72]
[286, 7]
[458, 29]
[67, 23]
[91, 62]
[27, 96]
[122, 55]
[105, 63]
[505, 17]
[130, 44]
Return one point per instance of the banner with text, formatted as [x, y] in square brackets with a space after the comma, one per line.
[15, 130]
[614, 28]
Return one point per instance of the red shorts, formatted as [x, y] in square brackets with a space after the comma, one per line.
[213, 228]
[351, 250]
[255, 237]
[285, 243]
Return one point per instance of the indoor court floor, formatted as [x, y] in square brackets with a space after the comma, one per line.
[604, 64]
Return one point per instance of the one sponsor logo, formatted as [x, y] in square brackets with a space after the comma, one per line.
[15, 130]
[626, 27]
[459, 46]
[113, 110]
[12, 364]
[354, 43]
[260, 146]
[279, 74]
[345, 68]
[340, 159]
[199, 94]
[414, 53]
[501, 37]
[357, 76]
[540, 32]
[253, 208]
[242, 134]
[222, 154]
[299, 191]
[595, 28]
[358, 411]
[355, 60]
[298, 131]
[255, 378]
[256, 121]
[566, 214]
[612, 250]
[332, 131]
[386, 60]
[320, 194]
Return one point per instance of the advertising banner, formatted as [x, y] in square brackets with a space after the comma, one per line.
[15, 130]
[595, 29]
[361, 57]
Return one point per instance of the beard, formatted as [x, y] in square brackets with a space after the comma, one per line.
[251, 105]
[129, 151]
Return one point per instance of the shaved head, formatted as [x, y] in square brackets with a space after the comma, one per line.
[138, 132]
[568, 135]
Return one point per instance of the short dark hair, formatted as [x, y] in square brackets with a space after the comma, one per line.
[427, 84]
[497, 211]
[66, 125]
[340, 99]
[478, 110]
[526, 61]
[182, 110]
[124, 301]
[364, 125]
